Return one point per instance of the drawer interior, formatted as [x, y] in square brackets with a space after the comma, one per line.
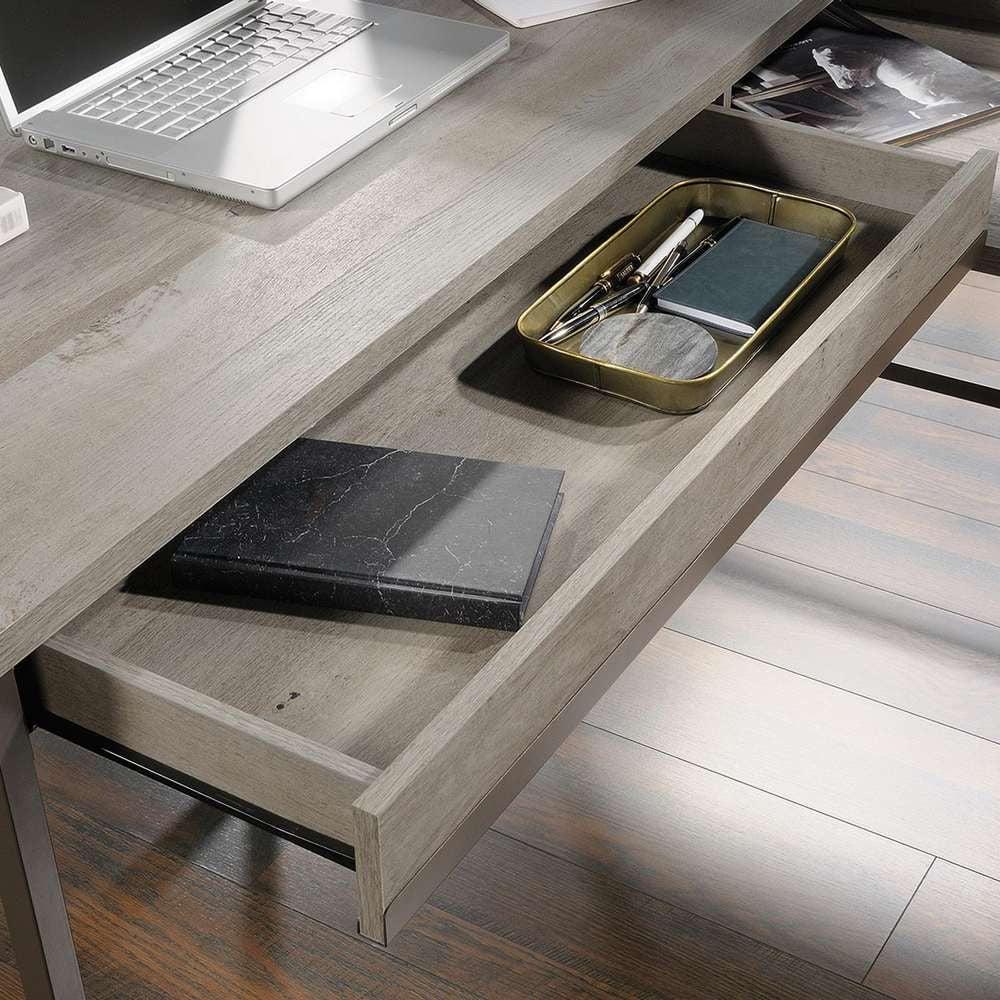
[351, 724]
[366, 684]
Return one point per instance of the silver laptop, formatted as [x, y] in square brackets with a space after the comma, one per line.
[253, 101]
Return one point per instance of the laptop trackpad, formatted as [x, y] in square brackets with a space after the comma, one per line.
[344, 92]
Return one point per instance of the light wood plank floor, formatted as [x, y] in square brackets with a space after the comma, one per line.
[793, 793]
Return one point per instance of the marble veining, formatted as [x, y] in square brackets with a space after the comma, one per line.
[668, 346]
[375, 529]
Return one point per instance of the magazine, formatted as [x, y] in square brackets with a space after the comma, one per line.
[850, 75]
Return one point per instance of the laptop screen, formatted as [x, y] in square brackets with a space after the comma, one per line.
[48, 45]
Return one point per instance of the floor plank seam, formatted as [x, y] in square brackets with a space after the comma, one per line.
[251, 891]
[864, 583]
[956, 350]
[895, 496]
[921, 416]
[973, 280]
[683, 909]
[830, 684]
[971, 871]
[794, 802]
[525, 845]
[913, 896]
[776, 795]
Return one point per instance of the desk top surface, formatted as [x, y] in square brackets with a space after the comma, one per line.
[157, 345]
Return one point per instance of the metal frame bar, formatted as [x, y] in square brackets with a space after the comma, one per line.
[29, 880]
[317, 843]
[944, 385]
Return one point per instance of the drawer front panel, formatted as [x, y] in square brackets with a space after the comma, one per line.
[467, 749]
[241, 755]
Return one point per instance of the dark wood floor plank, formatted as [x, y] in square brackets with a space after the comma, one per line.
[931, 662]
[147, 924]
[906, 778]
[915, 459]
[934, 405]
[808, 884]
[931, 556]
[436, 940]
[10, 982]
[510, 922]
[968, 319]
[947, 946]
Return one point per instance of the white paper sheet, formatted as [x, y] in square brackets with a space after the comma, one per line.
[526, 13]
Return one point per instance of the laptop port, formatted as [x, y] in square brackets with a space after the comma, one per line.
[68, 149]
[49, 144]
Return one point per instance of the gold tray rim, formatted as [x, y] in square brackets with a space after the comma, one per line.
[740, 358]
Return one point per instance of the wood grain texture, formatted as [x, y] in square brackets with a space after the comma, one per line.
[465, 390]
[956, 364]
[928, 555]
[148, 925]
[948, 943]
[987, 11]
[504, 792]
[916, 459]
[392, 677]
[713, 464]
[967, 321]
[510, 922]
[171, 367]
[30, 892]
[805, 883]
[935, 406]
[970, 32]
[795, 156]
[984, 135]
[478, 735]
[931, 662]
[961, 341]
[477, 397]
[227, 749]
[906, 778]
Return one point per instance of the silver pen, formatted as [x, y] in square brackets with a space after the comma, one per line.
[593, 315]
[565, 328]
[657, 280]
[614, 277]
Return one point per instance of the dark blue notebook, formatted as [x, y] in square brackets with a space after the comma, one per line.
[736, 285]
[375, 529]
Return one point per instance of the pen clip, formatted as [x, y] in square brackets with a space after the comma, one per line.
[662, 274]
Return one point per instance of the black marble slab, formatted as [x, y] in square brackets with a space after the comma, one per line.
[375, 529]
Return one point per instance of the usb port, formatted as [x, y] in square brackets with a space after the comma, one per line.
[68, 149]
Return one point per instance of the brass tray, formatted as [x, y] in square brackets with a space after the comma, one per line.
[720, 199]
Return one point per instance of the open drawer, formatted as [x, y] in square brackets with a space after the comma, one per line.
[403, 740]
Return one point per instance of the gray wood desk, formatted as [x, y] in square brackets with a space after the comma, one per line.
[158, 346]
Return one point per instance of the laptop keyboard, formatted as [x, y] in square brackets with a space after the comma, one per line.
[196, 86]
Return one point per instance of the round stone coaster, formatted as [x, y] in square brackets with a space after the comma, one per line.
[668, 346]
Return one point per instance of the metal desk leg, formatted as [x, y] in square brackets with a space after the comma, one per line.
[29, 883]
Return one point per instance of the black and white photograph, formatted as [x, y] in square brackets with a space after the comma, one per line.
[849, 75]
